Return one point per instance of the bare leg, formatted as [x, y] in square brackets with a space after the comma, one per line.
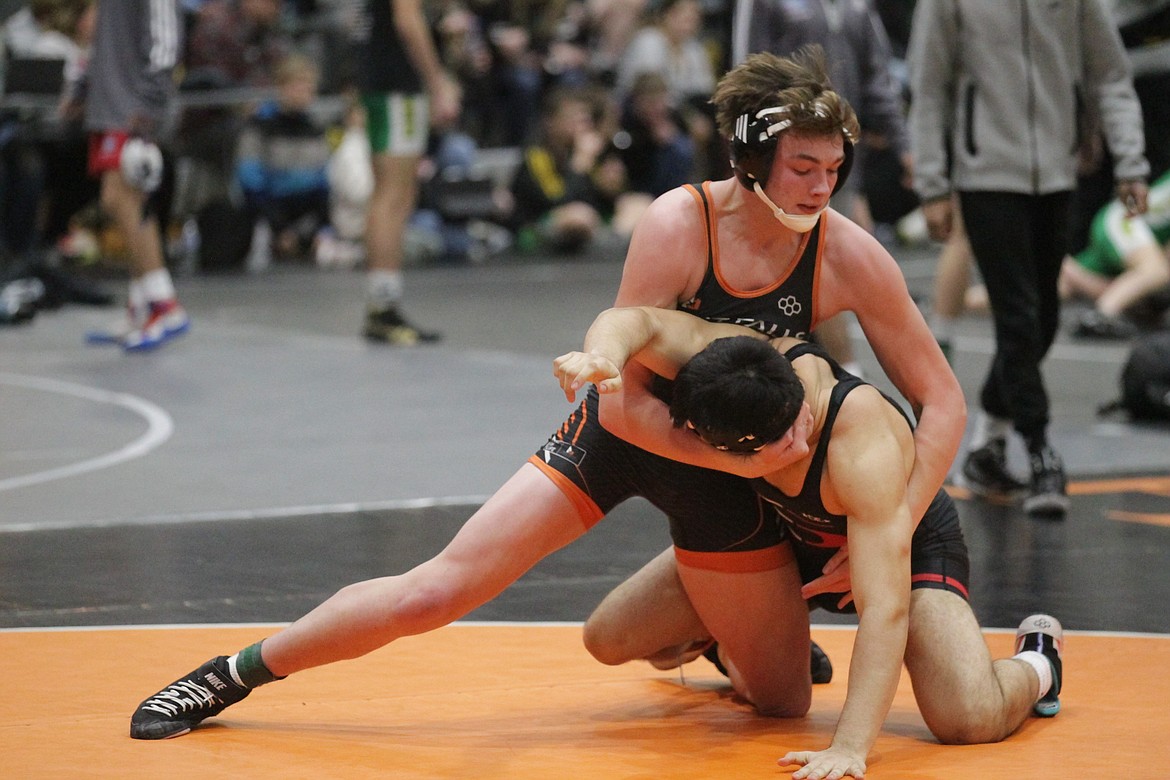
[965, 698]
[952, 276]
[525, 520]
[1077, 281]
[761, 624]
[391, 204]
[646, 617]
[124, 204]
[1147, 269]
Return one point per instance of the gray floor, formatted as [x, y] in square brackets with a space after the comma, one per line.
[272, 417]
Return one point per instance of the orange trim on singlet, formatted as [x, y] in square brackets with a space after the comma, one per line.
[713, 233]
[744, 562]
[580, 425]
[587, 510]
[816, 281]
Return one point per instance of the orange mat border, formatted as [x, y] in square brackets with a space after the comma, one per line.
[507, 701]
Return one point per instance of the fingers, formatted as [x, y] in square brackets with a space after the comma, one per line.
[574, 370]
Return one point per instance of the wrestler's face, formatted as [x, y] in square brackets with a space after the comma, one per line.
[782, 452]
[793, 445]
[804, 172]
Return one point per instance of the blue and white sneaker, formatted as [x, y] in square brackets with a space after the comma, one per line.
[164, 321]
[1043, 634]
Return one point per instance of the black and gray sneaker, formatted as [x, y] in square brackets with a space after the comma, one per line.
[821, 666]
[1048, 495]
[1043, 633]
[985, 473]
[183, 704]
[388, 326]
[1096, 325]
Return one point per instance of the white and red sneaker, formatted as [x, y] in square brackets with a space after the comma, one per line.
[165, 320]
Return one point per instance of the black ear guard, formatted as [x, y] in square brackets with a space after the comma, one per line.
[753, 148]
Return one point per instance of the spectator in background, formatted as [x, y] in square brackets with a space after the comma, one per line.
[567, 185]
[281, 163]
[130, 88]
[858, 52]
[973, 65]
[233, 44]
[405, 91]
[1123, 265]
[653, 142]
[672, 48]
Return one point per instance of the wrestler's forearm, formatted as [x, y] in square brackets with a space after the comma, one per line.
[936, 440]
[875, 668]
[618, 334]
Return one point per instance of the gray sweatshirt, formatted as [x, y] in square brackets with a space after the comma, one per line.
[1006, 90]
[129, 80]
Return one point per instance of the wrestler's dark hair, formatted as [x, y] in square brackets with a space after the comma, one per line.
[738, 394]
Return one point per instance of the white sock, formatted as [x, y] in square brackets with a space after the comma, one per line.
[384, 288]
[987, 428]
[231, 662]
[137, 299]
[1043, 668]
[157, 285]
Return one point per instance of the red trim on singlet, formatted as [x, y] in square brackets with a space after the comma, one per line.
[587, 509]
[950, 582]
[743, 562]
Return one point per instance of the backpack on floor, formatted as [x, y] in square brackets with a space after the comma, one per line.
[1145, 379]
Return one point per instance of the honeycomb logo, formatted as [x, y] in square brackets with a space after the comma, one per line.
[789, 306]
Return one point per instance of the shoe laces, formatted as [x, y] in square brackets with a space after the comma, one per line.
[179, 697]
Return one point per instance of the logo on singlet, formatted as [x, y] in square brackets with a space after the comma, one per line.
[770, 329]
[807, 529]
[789, 306]
[563, 450]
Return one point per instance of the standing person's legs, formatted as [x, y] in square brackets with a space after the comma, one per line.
[1018, 242]
[527, 519]
[964, 696]
[397, 127]
[952, 277]
[999, 237]
[155, 313]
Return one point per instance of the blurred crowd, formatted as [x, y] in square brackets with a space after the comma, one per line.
[576, 115]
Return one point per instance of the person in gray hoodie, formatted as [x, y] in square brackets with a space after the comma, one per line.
[1003, 96]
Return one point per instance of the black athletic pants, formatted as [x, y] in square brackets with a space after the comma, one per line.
[1019, 242]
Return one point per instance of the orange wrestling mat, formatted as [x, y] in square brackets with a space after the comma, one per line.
[510, 702]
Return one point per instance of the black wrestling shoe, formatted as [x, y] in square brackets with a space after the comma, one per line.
[985, 473]
[186, 702]
[822, 667]
[388, 326]
[1043, 633]
[1048, 496]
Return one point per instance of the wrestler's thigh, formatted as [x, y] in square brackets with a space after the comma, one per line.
[762, 626]
[946, 655]
[645, 615]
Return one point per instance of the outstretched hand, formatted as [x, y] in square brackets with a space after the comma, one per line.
[831, 764]
[574, 370]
